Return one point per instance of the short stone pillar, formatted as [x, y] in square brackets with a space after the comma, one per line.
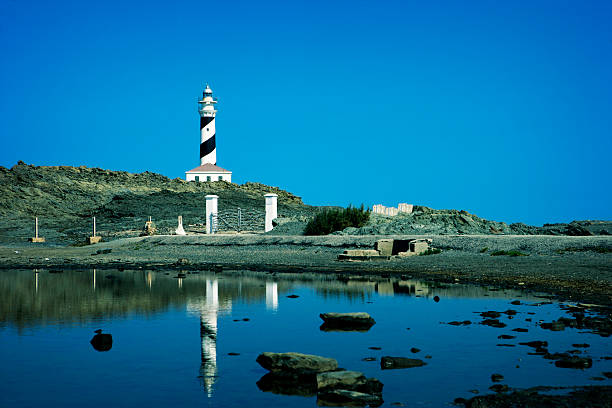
[271, 211]
[36, 238]
[180, 230]
[211, 213]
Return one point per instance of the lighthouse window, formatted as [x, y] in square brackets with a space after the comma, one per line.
[208, 178]
[220, 178]
[197, 178]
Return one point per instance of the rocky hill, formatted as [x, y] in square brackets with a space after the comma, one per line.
[65, 198]
[424, 220]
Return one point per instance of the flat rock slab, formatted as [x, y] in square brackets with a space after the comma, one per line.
[347, 321]
[388, 362]
[296, 363]
[340, 379]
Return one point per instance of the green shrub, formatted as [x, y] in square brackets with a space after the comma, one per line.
[431, 251]
[331, 220]
[483, 250]
[508, 253]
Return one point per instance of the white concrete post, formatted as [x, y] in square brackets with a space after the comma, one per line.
[271, 214]
[36, 228]
[211, 213]
[94, 226]
[180, 230]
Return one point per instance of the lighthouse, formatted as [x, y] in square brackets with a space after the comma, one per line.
[208, 169]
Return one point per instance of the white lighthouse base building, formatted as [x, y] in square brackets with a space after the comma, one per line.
[208, 172]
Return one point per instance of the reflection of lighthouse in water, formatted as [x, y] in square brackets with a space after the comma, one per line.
[209, 309]
[208, 336]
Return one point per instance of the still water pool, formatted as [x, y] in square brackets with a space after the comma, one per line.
[172, 338]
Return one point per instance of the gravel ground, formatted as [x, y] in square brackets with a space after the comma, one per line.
[574, 268]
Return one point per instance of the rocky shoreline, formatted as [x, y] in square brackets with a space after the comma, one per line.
[573, 268]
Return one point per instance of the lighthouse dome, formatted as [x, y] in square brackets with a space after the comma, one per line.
[208, 90]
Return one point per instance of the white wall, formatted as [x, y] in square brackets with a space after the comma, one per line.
[213, 176]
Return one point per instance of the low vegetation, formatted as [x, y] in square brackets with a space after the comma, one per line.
[431, 251]
[483, 250]
[508, 253]
[331, 220]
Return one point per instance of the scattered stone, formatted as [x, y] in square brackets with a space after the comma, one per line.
[597, 378]
[375, 348]
[415, 350]
[369, 359]
[233, 354]
[535, 344]
[428, 356]
[520, 330]
[584, 345]
[499, 388]
[515, 302]
[506, 336]
[296, 362]
[607, 374]
[510, 312]
[293, 296]
[102, 342]
[246, 319]
[556, 356]
[436, 299]
[388, 362]
[496, 377]
[473, 391]
[505, 345]
[491, 314]
[463, 323]
[553, 326]
[574, 362]
[493, 323]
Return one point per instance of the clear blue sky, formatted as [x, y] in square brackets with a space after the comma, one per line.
[503, 109]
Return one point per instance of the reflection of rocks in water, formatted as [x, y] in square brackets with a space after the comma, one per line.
[361, 322]
[289, 384]
[102, 342]
[388, 362]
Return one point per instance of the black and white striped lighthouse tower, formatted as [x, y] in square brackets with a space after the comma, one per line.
[208, 148]
[208, 169]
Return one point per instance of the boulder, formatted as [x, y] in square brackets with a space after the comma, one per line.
[348, 380]
[347, 321]
[388, 362]
[296, 363]
[574, 362]
[102, 342]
